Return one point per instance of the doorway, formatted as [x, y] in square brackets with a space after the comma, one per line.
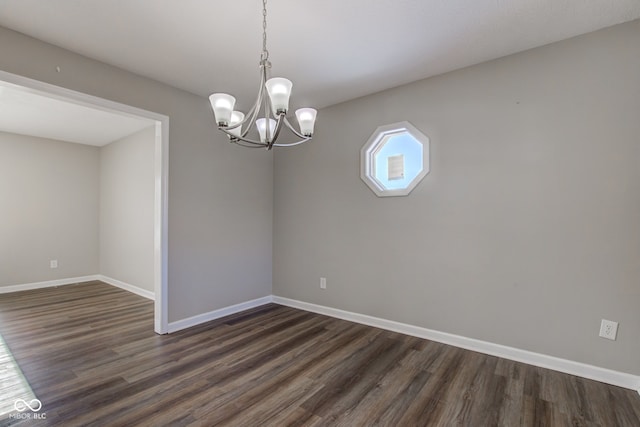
[161, 142]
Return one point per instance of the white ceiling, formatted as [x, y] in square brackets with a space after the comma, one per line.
[333, 50]
[27, 112]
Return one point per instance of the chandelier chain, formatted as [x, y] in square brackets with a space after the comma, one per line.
[265, 52]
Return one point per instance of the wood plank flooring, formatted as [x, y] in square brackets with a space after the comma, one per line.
[90, 355]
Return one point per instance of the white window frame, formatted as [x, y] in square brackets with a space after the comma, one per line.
[374, 145]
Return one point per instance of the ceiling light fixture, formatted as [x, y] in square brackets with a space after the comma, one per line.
[276, 104]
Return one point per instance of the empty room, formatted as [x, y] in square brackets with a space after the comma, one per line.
[286, 213]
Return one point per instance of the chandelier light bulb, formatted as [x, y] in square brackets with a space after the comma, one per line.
[279, 90]
[306, 119]
[222, 105]
[261, 124]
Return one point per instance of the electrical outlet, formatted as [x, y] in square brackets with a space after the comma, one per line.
[323, 283]
[53, 263]
[608, 329]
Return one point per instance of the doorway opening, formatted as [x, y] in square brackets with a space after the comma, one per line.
[160, 124]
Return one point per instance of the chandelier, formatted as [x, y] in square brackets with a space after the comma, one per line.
[268, 114]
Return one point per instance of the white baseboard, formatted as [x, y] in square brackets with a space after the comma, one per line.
[73, 281]
[216, 314]
[127, 287]
[608, 376]
[47, 284]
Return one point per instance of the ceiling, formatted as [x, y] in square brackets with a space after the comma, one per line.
[28, 112]
[333, 50]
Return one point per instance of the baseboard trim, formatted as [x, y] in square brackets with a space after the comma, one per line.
[47, 284]
[127, 287]
[216, 314]
[596, 373]
[74, 280]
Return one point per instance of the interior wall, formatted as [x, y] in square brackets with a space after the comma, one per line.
[127, 191]
[48, 209]
[526, 231]
[220, 196]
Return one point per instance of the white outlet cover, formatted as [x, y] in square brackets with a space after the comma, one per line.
[53, 263]
[608, 329]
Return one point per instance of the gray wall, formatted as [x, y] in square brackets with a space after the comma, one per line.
[525, 233]
[126, 209]
[220, 196]
[48, 209]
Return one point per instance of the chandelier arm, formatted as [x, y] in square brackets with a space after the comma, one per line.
[253, 113]
[298, 134]
[235, 138]
[267, 117]
[292, 129]
[250, 141]
[277, 130]
[245, 145]
[255, 109]
[249, 118]
[293, 143]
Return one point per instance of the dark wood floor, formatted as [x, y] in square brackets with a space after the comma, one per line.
[91, 357]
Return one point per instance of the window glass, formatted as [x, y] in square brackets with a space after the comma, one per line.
[401, 145]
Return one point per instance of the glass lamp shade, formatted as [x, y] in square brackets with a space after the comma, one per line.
[279, 90]
[261, 124]
[222, 105]
[307, 119]
[236, 117]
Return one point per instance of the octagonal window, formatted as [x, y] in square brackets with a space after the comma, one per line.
[395, 159]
